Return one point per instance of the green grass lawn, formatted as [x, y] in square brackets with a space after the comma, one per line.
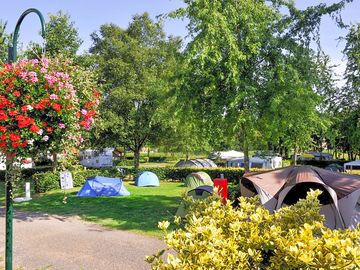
[139, 212]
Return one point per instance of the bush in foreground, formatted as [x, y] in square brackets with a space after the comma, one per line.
[217, 236]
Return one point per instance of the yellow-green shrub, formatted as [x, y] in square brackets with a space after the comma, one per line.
[216, 236]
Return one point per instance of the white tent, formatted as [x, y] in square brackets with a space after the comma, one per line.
[351, 164]
[340, 196]
[226, 155]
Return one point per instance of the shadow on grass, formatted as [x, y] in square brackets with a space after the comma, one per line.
[139, 213]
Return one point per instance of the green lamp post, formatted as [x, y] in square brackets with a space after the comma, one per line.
[12, 54]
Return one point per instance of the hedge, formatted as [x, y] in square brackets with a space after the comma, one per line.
[322, 163]
[179, 174]
[27, 173]
[46, 181]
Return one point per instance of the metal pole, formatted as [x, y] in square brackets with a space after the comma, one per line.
[9, 215]
[12, 54]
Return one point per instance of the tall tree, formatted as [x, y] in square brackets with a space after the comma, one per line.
[62, 37]
[136, 65]
[349, 113]
[3, 42]
[237, 51]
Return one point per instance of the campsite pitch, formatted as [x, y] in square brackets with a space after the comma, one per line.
[139, 212]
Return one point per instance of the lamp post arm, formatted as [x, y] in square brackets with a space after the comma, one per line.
[13, 48]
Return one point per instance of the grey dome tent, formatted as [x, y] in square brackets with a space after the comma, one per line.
[340, 199]
[200, 163]
[199, 193]
[196, 179]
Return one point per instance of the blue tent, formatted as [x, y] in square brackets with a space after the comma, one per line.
[146, 179]
[103, 186]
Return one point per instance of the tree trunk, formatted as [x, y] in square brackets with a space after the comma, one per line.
[55, 161]
[246, 159]
[294, 160]
[136, 158]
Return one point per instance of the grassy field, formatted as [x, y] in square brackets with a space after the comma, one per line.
[139, 212]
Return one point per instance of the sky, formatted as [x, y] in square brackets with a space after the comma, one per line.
[88, 15]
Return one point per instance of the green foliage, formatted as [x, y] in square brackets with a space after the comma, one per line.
[136, 65]
[249, 65]
[47, 181]
[61, 38]
[179, 174]
[217, 236]
[3, 42]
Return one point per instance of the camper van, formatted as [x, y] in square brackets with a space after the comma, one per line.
[97, 158]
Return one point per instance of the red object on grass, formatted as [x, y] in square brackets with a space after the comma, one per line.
[222, 185]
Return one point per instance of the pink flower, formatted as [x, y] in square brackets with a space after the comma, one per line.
[84, 112]
[54, 97]
[61, 125]
[51, 79]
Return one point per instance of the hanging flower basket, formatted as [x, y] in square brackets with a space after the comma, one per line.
[41, 107]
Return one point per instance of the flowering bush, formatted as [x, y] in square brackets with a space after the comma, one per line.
[217, 236]
[43, 103]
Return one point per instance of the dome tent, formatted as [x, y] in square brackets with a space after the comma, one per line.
[340, 198]
[103, 186]
[196, 179]
[202, 163]
[199, 193]
[147, 179]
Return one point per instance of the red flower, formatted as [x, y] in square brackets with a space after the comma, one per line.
[89, 115]
[13, 113]
[2, 144]
[24, 108]
[40, 106]
[24, 144]
[34, 128]
[3, 129]
[14, 137]
[49, 130]
[16, 144]
[56, 107]
[24, 121]
[77, 114]
[16, 93]
[3, 116]
[44, 124]
[3, 137]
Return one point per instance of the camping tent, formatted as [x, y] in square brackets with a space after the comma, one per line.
[196, 179]
[202, 163]
[340, 198]
[103, 186]
[226, 155]
[147, 179]
[201, 192]
[352, 164]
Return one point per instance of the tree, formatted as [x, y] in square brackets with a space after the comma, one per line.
[349, 109]
[3, 42]
[136, 65]
[238, 50]
[61, 38]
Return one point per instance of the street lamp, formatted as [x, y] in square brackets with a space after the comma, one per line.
[12, 54]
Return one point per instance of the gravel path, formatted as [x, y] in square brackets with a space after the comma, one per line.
[44, 241]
